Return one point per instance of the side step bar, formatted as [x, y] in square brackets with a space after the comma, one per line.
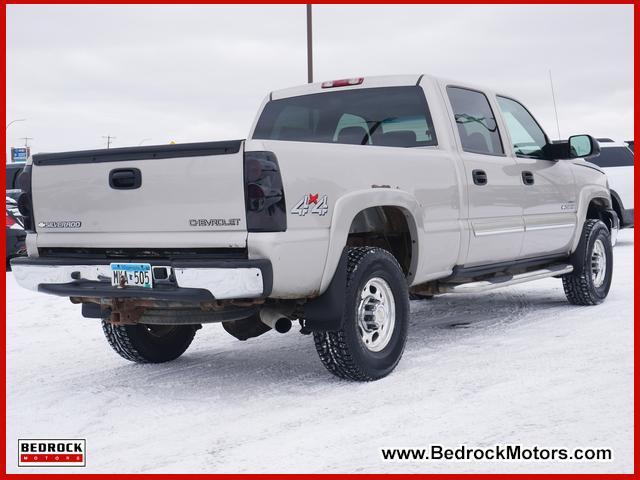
[506, 280]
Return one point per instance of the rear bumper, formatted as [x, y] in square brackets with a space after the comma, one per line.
[190, 280]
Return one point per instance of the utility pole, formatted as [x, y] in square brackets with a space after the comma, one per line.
[309, 46]
[109, 138]
[26, 140]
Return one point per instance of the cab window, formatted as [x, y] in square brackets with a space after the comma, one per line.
[385, 116]
[476, 123]
[526, 135]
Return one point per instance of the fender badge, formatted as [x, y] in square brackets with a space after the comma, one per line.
[312, 203]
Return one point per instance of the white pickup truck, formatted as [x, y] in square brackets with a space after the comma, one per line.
[346, 196]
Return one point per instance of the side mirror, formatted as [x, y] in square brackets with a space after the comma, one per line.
[583, 146]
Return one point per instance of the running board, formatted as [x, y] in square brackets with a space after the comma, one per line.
[506, 280]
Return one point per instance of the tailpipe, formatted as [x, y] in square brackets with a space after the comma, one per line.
[275, 320]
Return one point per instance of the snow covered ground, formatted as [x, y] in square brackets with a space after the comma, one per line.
[518, 366]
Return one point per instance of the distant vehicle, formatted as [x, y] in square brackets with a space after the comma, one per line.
[616, 160]
[630, 143]
[16, 235]
[13, 171]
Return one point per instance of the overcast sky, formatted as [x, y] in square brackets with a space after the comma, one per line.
[153, 74]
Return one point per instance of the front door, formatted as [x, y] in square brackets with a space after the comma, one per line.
[549, 195]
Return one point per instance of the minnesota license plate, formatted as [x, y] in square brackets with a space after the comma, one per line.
[131, 275]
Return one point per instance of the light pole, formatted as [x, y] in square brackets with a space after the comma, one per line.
[143, 140]
[309, 46]
[14, 121]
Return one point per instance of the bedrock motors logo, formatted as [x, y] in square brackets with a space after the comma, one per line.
[52, 453]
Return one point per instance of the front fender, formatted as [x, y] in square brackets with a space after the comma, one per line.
[586, 195]
[348, 206]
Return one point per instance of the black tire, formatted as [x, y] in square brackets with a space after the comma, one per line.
[149, 343]
[580, 286]
[343, 352]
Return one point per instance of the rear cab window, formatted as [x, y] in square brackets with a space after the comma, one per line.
[386, 116]
[477, 125]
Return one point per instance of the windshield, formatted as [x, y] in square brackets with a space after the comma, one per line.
[389, 116]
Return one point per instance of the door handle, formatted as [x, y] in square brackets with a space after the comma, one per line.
[125, 178]
[527, 178]
[479, 177]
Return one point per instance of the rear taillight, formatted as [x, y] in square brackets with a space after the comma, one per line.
[25, 203]
[264, 194]
[345, 82]
[10, 221]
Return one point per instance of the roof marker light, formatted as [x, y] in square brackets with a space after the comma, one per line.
[345, 82]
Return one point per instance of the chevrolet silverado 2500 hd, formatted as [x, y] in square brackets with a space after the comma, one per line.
[346, 196]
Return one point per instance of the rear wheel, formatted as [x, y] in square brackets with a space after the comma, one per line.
[592, 261]
[371, 342]
[149, 343]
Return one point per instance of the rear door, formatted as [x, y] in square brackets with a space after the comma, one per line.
[548, 193]
[170, 195]
[492, 177]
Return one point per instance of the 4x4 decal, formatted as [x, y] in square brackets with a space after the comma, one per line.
[312, 203]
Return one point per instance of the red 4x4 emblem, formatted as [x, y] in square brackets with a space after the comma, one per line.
[312, 203]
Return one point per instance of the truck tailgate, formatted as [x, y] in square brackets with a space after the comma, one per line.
[125, 195]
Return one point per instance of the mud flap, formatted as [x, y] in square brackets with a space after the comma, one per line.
[326, 312]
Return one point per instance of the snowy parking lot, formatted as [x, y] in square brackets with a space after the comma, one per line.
[519, 366]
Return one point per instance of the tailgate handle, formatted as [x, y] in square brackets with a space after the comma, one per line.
[125, 178]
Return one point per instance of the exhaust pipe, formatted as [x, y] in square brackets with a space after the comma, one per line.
[275, 320]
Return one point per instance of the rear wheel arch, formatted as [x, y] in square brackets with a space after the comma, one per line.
[346, 212]
[389, 227]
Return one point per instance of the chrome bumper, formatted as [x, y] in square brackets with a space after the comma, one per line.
[219, 279]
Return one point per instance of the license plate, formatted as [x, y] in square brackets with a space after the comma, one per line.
[131, 275]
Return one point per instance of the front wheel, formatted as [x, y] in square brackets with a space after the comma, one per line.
[592, 261]
[371, 341]
[149, 343]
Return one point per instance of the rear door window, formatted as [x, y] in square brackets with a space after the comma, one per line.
[387, 116]
[476, 122]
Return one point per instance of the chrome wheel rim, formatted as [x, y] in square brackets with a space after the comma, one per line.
[598, 263]
[376, 314]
